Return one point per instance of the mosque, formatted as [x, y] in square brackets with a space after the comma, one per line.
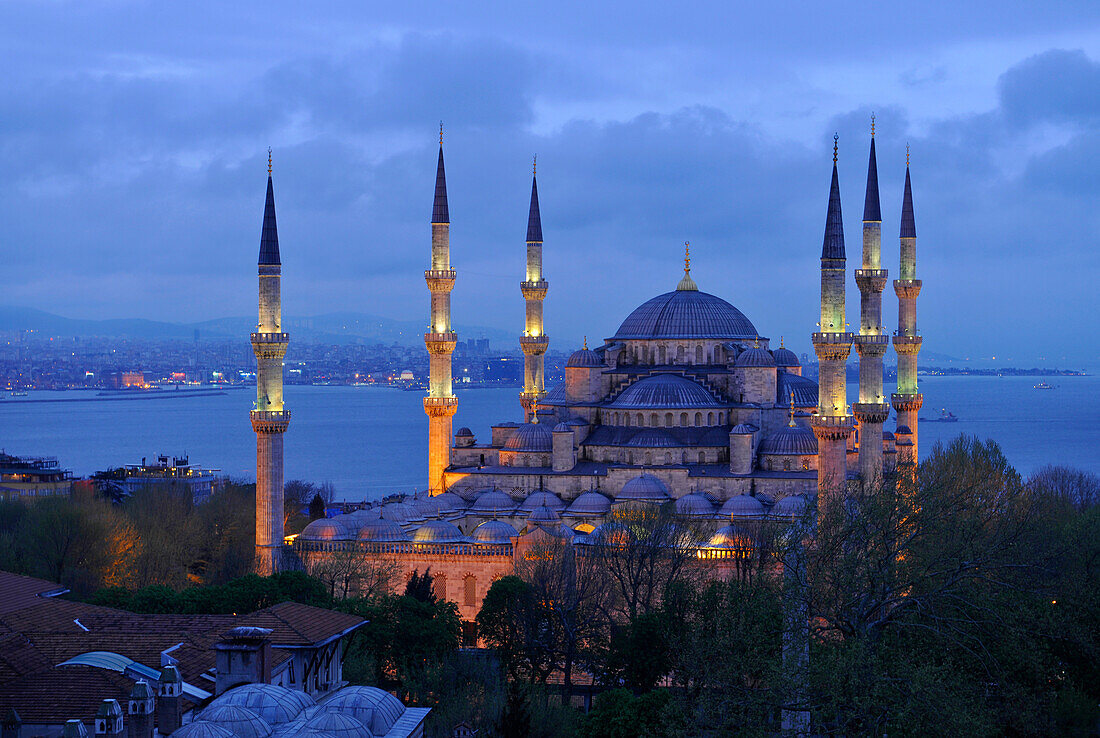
[687, 404]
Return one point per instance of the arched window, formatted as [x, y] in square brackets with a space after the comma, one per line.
[698, 354]
[805, 464]
[698, 419]
[663, 354]
[439, 586]
[702, 457]
[721, 418]
[710, 418]
[630, 458]
[482, 459]
[626, 419]
[668, 419]
[653, 419]
[680, 355]
[683, 419]
[786, 464]
[668, 458]
[648, 458]
[469, 591]
[640, 419]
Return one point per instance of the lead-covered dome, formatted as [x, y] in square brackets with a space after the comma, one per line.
[531, 437]
[796, 441]
[324, 529]
[694, 505]
[541, 498]
[586, 358]
[381, 530]
[665, 391]
[494, 531]
[755, 357]
[493, 502]
[372, 706]
[785, 357]
[686, 314]
[438, 531]
[804, 389]
[238, 720]
[588, 504]
[273, 703]
[643, 488]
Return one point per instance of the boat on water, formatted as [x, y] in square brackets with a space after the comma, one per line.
[945, 416]
[18, 393]
[1044, 385]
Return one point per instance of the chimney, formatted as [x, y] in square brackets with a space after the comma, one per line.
[243, 656]
[169, 695]
[141, 709]
[12, 724]
[108, 719]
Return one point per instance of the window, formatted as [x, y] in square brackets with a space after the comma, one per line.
[469, 591]
[698, 419]
[653, 419]
[668, 419]
[641, 419]
[439, 586]
[702, 458]
[698, 354]
[710, 418]
[648, 458]
[683, 418]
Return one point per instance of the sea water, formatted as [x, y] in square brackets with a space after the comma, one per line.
[371, 441]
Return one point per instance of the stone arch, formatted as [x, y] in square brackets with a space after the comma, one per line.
[698, 419]
[668, 419]
[640, 419]
[699, 358]
[683, 419]
[653, 419]
[710, 418]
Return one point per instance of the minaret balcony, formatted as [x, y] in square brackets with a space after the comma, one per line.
[440, 280]
[908, 344]
[832, 427]
[440, 407]
[270, 421]
[534, 290]
[907, 401]
[270, 338]
[907, 289]
[871, 280]
[871, 412]
[441, 343]
[534, 345]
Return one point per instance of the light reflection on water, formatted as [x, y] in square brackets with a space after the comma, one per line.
[370, 441]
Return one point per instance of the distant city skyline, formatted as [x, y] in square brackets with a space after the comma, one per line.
[133, 143]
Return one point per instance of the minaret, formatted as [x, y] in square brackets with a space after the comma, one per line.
[872, 410]
[907, 400]
[534, 341]
[440, 404]
[832, 343]
[269, 418]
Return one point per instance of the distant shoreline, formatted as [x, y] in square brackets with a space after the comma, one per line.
[123, 395]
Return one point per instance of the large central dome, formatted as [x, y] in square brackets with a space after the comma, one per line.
[686, 314]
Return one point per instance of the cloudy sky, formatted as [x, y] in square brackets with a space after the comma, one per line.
[133, 142]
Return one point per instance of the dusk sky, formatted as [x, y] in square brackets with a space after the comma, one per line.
[133, 141]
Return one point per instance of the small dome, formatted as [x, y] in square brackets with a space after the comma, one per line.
[438, 531]
[803, 388]
[367, 513]
[531, 437]
[562, 428]
[543, 516]
[202, 729]
[541, 498]
[792, 506]
[797, 441]
[643, 488]
[887, 436]
[584, 357]
[338, 724]
[464, 432]
[240, 721]
[382, 531]
[665, 391]
[743, 429]
[652, 438]
[273, 703]
[401, 513]
[494, 531]
[428, 506]
[903, 430]
[613, 533]
[731, 537]
[743, 507]
[493, 502]
[754, 358]
[588, 504]
[325, 529]
[694, 505]
[785, 357]
[372, 706]
[449, 503]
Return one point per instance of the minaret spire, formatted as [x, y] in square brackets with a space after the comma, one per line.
[269, 418]
[832, 425]
[872, 409]
[534, 287]
[440, 404]
[907, 400]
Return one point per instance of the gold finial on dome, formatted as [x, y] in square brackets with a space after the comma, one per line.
[687, 284]
[586, 343]
[872, 124]
[791, 423]
[906, 154]
[781, 342]
[535, 409]
[269, 160]
[756, 342]
[534, 164]
[836, 144]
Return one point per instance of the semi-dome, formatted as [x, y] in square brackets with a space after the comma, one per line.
[201, 729]
[493, 502]
[665, 391]
[731, 536]
[755, 357]
[643, 488]
[381, 530]
[685, 314]
[785, 357]
[804, 389]
[544, 516]
[541, 498]
[273, 703]
[376, 708]
[796, 441]
[401, 513]
[337, 724]
[792, 506]
[742, 507]
[240, 721]
[438, 531]
[588, 504]
[324, 529]
[652, 438]
[586, 358]
[531, 437]
[494, 531]
[694, 505]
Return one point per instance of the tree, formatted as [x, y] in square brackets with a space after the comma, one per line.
[419, 586]
[619, 714]
[515, 622]
[353, 572]
[316, 507]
